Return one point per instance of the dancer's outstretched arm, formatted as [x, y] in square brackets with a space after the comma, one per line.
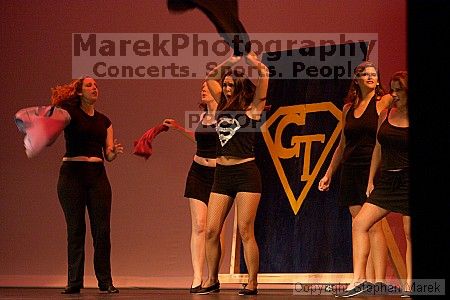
[171, 123]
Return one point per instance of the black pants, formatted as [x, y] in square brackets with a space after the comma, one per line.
[81, 185]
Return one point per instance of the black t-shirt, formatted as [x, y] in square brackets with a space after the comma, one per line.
[85, 135]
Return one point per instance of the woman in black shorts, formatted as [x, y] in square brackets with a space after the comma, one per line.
[200, 179]
[240, 104]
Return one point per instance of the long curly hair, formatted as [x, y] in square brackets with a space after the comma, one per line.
[354, 94]
[67, 93]
[244, 90]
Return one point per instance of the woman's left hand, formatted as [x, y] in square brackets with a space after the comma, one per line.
[117, 148]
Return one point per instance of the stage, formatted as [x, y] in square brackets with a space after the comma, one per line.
[168, 294]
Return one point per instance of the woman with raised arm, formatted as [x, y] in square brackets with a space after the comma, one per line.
[237, 178]
[83, 182]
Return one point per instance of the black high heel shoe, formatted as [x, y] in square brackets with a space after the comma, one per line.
[215, 288]
[246, 292]
[195, 289]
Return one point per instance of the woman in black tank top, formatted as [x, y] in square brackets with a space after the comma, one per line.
[200, 179]
[240, 104]
[365, 100]
[391, 192]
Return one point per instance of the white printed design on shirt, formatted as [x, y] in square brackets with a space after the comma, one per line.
[226, 128]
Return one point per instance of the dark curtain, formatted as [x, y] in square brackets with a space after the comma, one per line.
[318, 238]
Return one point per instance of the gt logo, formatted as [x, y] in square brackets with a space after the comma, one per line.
[296, 115]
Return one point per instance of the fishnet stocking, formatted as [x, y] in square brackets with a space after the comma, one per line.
[218, 208]
[247, 206]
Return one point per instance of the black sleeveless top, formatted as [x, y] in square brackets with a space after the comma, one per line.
[394, 145]
[207, 139]
[85, 135]
[360, 134]
[237, 135]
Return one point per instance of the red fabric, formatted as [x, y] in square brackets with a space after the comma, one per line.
[143, 146]
[42, 125]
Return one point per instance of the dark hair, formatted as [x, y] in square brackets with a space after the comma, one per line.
[68, 93]
[354, 94]
[244, 90]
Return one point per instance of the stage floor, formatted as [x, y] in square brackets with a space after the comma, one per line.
[175, 294]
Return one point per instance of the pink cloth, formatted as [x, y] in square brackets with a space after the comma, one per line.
[143, 146]
[42, 125]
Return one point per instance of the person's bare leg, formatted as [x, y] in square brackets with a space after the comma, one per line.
[407, 229]
[370, 269]
[378, 253]
[198, 224]
[369, 273]
[366, 218]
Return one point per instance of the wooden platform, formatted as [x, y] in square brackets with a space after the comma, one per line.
[166, 294]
